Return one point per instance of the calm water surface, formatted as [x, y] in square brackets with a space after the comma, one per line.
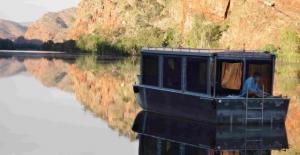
[88, 107]
[35, 120]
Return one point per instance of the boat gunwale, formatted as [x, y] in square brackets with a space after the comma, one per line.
[205, 96]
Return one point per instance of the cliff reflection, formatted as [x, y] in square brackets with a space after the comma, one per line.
[105, 88]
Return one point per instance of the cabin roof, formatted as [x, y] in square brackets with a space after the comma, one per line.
[219, 53]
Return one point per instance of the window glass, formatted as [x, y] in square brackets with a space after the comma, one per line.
[172, 72]
[196, 75]
[148, 145]
[150, 70]
[265, 69]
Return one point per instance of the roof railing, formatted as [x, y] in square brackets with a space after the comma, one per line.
[183, 49]
[193, 50]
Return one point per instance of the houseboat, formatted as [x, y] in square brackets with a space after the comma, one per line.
[206, 85]
[161, 134]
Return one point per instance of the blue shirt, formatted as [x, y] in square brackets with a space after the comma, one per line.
[250, 85]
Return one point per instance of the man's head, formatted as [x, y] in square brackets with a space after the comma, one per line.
[257, 76]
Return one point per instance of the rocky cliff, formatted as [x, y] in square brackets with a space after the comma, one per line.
[52, 26]
[252, 24]
[11, 30]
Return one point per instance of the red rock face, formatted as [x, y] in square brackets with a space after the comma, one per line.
[52, 26]
[252, 24]
[256, 23]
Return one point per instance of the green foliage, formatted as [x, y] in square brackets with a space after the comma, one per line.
[270, 48]
[172, 38]
[150, 37]
[6, 44]
[289, 50]
[204, 34]
[89, 43]
[20, 43]
[288, 59]
[290, 42]
[66, 46]
[98, 45]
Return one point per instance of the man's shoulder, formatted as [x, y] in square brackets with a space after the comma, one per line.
[250, 78]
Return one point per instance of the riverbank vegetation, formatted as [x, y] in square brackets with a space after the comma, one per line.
[288, 56]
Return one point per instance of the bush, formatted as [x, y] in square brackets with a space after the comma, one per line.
[89, 43]
[270, 48]
[204, 34]
[6, 44]
[289, 46]
[66, 46]
[290, 42]
[172, 38]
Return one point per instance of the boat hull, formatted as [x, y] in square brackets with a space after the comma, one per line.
[214, 110]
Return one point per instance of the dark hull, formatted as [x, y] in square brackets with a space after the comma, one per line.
[214, 110]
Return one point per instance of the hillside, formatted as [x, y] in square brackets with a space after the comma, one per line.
[51, 26]
[189, 23]
[11, 30]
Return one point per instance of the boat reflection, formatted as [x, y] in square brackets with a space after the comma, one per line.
[165, 135]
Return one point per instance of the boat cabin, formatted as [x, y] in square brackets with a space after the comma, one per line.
[207, 72]
[206, 85]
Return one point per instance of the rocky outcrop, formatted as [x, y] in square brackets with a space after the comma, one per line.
[121, 17]
[11, 30]
[251, 24]
[254, 24]
[52, 26]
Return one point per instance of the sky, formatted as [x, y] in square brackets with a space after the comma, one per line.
[31, 10]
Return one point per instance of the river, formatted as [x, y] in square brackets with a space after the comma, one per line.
[38, 120]
[88, 106]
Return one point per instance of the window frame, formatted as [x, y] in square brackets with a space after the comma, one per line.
[181, 87]
[218, 69]
[208, 62]
[142, 71]
[264, 62]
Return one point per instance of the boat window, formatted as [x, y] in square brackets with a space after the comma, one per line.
[148, 145]
[172, 72]
[196, 75]
[265, 68]
[150, 70]
[229, 77]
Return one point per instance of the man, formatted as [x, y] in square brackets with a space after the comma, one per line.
[251, 85]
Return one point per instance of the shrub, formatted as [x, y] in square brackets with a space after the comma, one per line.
[89, 43]
[6, 44]
[290, 42]
[270, 48]
[204, 34]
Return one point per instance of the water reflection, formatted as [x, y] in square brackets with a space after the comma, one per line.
[161, 134]
[105, 89]
[37, 120]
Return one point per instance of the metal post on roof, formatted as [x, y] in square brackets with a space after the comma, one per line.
[215, 75]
